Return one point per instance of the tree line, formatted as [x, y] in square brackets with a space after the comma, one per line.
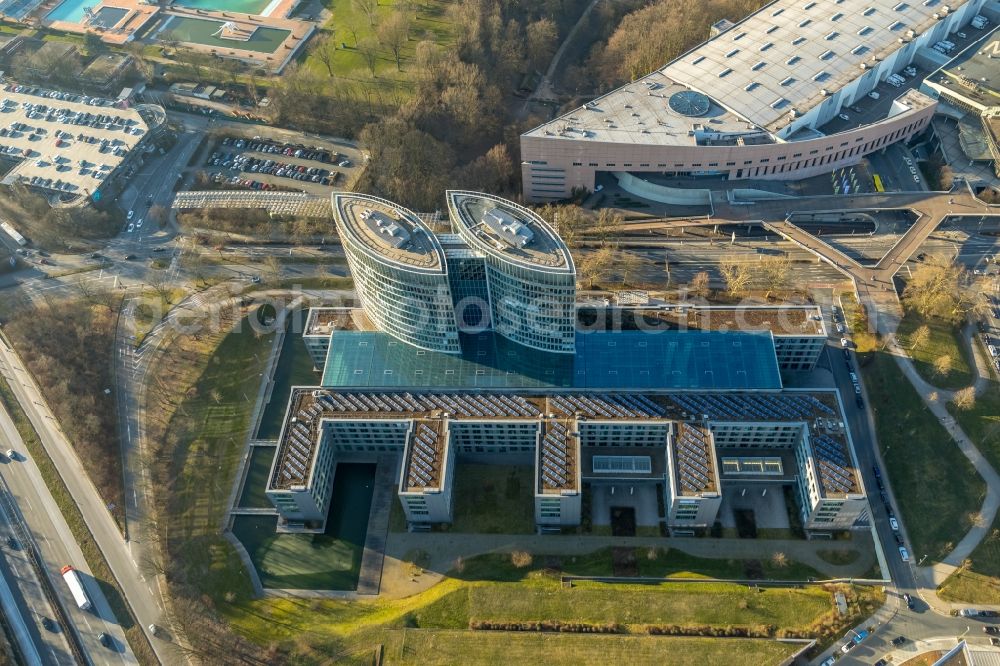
[649, 35]
[454, 126]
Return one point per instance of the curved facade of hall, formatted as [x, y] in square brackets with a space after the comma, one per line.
[399, 271]
[551, 169]
[530, 275]
[795, 89]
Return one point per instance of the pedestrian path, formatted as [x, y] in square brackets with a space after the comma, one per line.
[446, 551]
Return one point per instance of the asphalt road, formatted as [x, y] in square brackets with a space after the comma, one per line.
[142, 594]
[26, 587]
[58, 548]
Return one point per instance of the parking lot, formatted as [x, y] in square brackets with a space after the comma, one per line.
[64, 142]
[262, 163]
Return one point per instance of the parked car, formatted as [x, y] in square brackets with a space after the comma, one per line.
[909, 601]
[904, 554]
[991, 629]
[898, 640]
[843, 342]
[894, 524]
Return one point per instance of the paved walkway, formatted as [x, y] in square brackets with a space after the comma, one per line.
[932, 397]
[445, 550]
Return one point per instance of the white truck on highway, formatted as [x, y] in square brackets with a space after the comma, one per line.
[75, 585]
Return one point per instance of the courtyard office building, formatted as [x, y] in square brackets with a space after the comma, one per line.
[672, 417]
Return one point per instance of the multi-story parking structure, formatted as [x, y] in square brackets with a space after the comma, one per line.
[762, 100]
[399, 271]
[70, 147]
[529, 275]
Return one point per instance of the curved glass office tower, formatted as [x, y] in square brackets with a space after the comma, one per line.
[399, 271]
[530, 276]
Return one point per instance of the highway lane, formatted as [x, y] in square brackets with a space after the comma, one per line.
[146, 603]
[33, 604]
[58, 548]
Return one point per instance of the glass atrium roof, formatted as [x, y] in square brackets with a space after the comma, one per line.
[605, 360]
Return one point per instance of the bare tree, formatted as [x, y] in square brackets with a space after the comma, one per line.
[774, 272]
[367, 7]
[920, 336]
[938, 288]
[368, 48]
[609, 225]
[393, 33]
[273, 265]
[965, 399]
[736, 274]
[779, 560]
[542, 38]
[568, 221]
[627, 262]
[943, 364]
[700, 284]
[352, 28]
[595, 265]
[158, 214]
[325, 50]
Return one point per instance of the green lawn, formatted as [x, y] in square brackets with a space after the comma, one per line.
[664, 563]
[253, 495]
[294, 368]
[490, 588]
[491, 647]
[937, 488]
[431, 23]
[493, 499]
[328, 561]
[717, 604]
[212, 422]
[980, 584]
[944, 340]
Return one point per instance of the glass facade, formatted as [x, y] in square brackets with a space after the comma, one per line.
[613, 360]
[531, 294]
[410, 303]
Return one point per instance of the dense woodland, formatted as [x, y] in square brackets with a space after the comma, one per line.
[461, 125]
[67, 346]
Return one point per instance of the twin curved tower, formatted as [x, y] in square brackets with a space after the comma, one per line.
[502, 269]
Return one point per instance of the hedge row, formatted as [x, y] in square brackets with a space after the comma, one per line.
[755, 631]
[548, 625]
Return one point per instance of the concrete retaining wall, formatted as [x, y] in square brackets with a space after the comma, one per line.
[661, 193]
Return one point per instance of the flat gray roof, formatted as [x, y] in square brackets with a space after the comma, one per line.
[975, 72]
[778, 59]
[58, 142]
[546, 249]
[388, 231]
[793, 49]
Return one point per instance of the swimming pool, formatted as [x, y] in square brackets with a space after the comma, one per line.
[109, 16]
[257, 7]
[202, 31]
[70, 11]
